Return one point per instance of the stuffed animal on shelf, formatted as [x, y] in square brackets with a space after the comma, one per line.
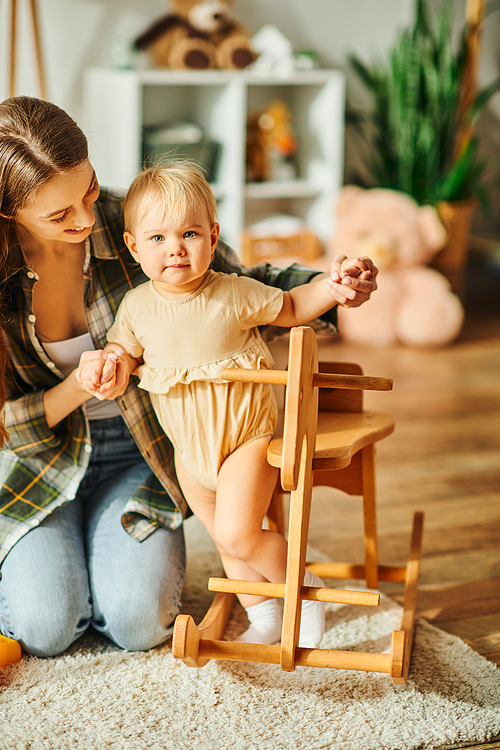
[271, 144]
[414, 304]
[199, 35]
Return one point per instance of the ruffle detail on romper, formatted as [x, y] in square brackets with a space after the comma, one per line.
[161, 379]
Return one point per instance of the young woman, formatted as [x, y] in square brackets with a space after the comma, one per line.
[90, 508]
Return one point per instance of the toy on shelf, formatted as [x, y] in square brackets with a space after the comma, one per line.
[275, 52]
[181, 140]
[306, 441]
[414, 305]
[10, 651]
[198, 35]
[306, 59]
[271, 144]
[276, 56]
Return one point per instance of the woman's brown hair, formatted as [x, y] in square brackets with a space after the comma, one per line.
[38, 140]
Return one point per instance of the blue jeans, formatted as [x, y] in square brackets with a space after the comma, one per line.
[80, 567]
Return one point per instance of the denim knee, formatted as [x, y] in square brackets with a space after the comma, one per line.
[135, 624]
[44, 630]
[44, 590]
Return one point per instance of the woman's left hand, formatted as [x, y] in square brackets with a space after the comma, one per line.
[92, 366]
[352, 280]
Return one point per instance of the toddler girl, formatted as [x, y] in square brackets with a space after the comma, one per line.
[177, 332]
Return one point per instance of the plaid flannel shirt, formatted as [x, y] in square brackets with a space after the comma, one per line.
[41, 468]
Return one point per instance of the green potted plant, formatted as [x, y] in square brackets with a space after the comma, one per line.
[418, 135]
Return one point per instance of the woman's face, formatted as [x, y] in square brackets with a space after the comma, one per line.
[62, 208]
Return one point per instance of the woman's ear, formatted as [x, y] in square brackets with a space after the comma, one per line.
[214, 236]
[131, 244]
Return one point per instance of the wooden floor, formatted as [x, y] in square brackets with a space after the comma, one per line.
[444, 459]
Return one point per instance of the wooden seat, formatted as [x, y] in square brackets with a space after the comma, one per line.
[335, 448]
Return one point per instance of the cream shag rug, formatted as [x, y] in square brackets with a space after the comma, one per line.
[96, 697]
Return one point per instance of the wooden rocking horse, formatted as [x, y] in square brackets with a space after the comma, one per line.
[295, 454]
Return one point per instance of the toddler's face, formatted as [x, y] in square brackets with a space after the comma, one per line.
[176, 256]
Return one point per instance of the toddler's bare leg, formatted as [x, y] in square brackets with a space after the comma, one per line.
[264, 614]
[244, 488]
[203, 504]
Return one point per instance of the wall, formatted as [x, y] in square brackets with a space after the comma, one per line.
[78, 33]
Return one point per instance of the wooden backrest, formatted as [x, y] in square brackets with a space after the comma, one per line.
[340, 399]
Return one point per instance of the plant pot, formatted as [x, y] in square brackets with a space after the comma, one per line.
[452, 259]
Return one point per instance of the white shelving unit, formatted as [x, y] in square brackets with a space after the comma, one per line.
[117, 104]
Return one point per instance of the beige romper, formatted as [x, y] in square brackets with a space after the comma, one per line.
[185, 344]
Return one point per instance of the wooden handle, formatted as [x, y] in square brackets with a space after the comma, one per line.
[239, 374]
[352, 382]
[321, 380]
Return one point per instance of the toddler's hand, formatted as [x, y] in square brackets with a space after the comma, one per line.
[108, 381]
[103, 374]
[96, 369]
[352, 280]
[89, 370]
[109, 368]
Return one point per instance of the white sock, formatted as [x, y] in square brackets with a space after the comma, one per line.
[312, 620]
[265, 623]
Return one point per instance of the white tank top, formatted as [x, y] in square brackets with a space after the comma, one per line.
[66, 355]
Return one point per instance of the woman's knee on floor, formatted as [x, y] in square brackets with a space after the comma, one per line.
[45, 627]
[137, 623]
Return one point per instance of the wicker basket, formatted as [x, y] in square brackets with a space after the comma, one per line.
[303, 246]
[451, 261]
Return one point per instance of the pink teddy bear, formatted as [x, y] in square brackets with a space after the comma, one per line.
[414, 304]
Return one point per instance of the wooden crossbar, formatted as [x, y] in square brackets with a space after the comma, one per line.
[310, 593]
[350, 571]
[304, 657]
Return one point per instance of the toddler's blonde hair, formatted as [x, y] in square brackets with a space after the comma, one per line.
[175, 187]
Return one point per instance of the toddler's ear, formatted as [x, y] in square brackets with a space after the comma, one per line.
[130, 243]
[214, 235]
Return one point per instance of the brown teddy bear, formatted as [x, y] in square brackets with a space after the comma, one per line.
[271, 144]
[200, 35]
[414, 304]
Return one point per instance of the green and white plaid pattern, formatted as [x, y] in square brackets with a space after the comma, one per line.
[41, 468]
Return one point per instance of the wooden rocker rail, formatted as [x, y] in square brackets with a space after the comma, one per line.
[196, 645]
